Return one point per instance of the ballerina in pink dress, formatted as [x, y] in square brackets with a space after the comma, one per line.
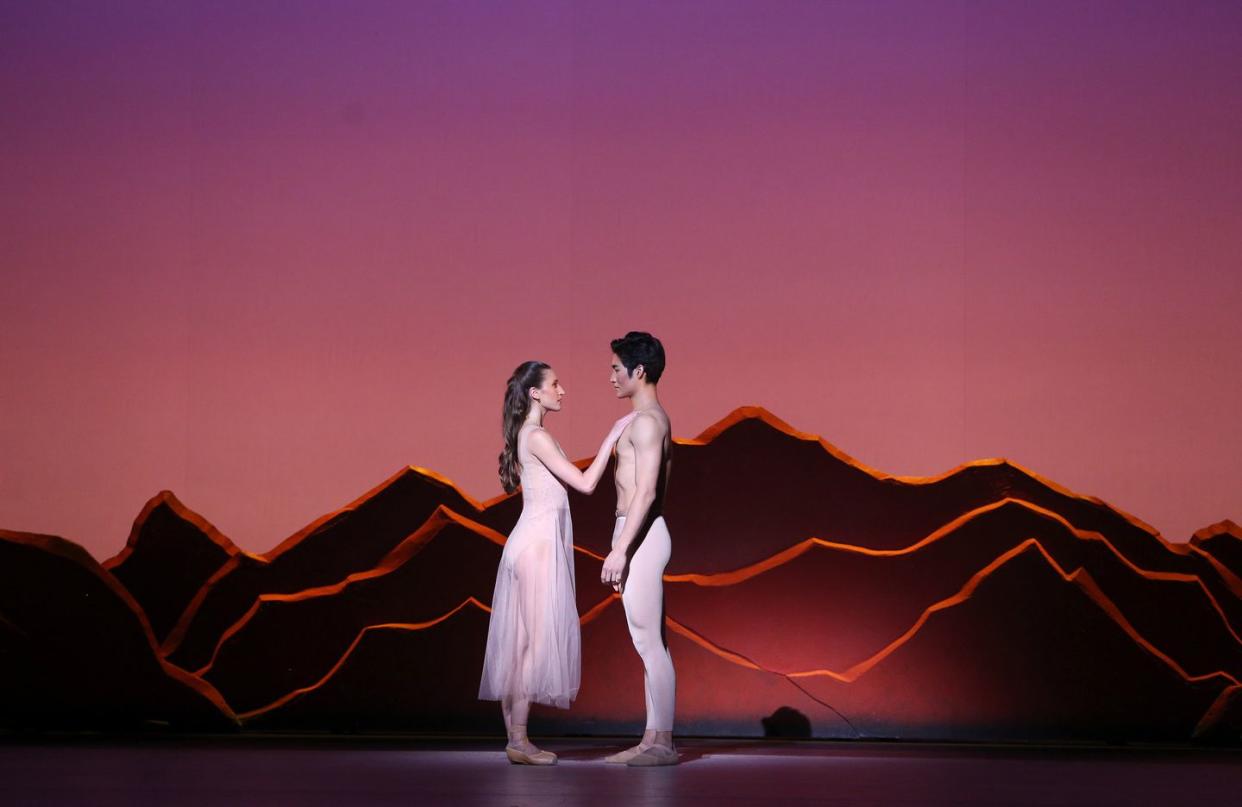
[533, 641]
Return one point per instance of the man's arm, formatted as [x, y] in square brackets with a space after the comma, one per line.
[647, 437]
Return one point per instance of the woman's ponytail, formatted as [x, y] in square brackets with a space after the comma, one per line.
[513, 413]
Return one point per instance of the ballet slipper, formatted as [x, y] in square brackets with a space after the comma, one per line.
[540, 757]
[623, 757]
[521, 751]
[654, 756]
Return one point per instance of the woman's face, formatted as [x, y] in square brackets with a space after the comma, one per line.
[551, 391]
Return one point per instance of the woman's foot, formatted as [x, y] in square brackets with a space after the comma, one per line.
[525, 753]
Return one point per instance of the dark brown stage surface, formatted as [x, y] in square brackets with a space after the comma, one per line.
[297, 770]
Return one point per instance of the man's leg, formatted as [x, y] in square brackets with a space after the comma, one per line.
[643, 598]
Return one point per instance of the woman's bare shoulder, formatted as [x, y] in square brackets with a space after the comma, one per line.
[537, 434]
[540, 438]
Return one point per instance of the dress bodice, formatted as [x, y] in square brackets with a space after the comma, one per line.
[541, 490]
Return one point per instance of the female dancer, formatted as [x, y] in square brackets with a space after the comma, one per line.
[533, 642]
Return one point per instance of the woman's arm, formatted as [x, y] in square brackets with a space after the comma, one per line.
[545, 450]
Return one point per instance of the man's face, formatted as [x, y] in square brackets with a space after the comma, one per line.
[621, 380]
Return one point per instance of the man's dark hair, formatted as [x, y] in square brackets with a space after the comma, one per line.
[640, 347]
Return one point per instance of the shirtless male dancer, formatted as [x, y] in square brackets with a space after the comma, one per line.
[640, 539]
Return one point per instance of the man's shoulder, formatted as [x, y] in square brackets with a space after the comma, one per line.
[650, 424]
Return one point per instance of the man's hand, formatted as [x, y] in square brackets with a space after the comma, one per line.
[614, 568]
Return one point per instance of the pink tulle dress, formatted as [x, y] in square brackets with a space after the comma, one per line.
[533, 606]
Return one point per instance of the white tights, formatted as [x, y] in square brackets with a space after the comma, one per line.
[643, 598]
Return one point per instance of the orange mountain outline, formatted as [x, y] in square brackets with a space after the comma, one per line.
[408, 626]
[177, 633]
[709, 434]
[1079, 577]
[444, 515]
[797, 550]
[438, 520]
[759, 413]
[167, 497]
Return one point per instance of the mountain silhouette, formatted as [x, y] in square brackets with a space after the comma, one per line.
[166, 535]
[1223, 722]
[724, 689]
[848, 602]
[289, 641]
[420, 677]
[782, 486]
[352, 539]
[1222, 541]
[77, 652]
[383, 682]
[983, 603]
[782, 482]
[1024, 651]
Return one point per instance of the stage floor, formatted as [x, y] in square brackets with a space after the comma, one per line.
[288, 770]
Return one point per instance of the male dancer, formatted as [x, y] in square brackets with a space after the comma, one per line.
[640, 539]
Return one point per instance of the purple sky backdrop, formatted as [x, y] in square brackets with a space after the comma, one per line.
[266, 254]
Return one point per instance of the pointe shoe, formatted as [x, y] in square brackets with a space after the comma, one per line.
[656, 755]
[522, 758]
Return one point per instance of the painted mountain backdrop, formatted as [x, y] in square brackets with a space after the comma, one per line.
[807, 594]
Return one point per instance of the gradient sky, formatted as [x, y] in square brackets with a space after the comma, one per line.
[264, 254]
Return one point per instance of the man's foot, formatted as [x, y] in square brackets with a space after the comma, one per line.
[525, 753]
[653, 756]
[623, 757]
